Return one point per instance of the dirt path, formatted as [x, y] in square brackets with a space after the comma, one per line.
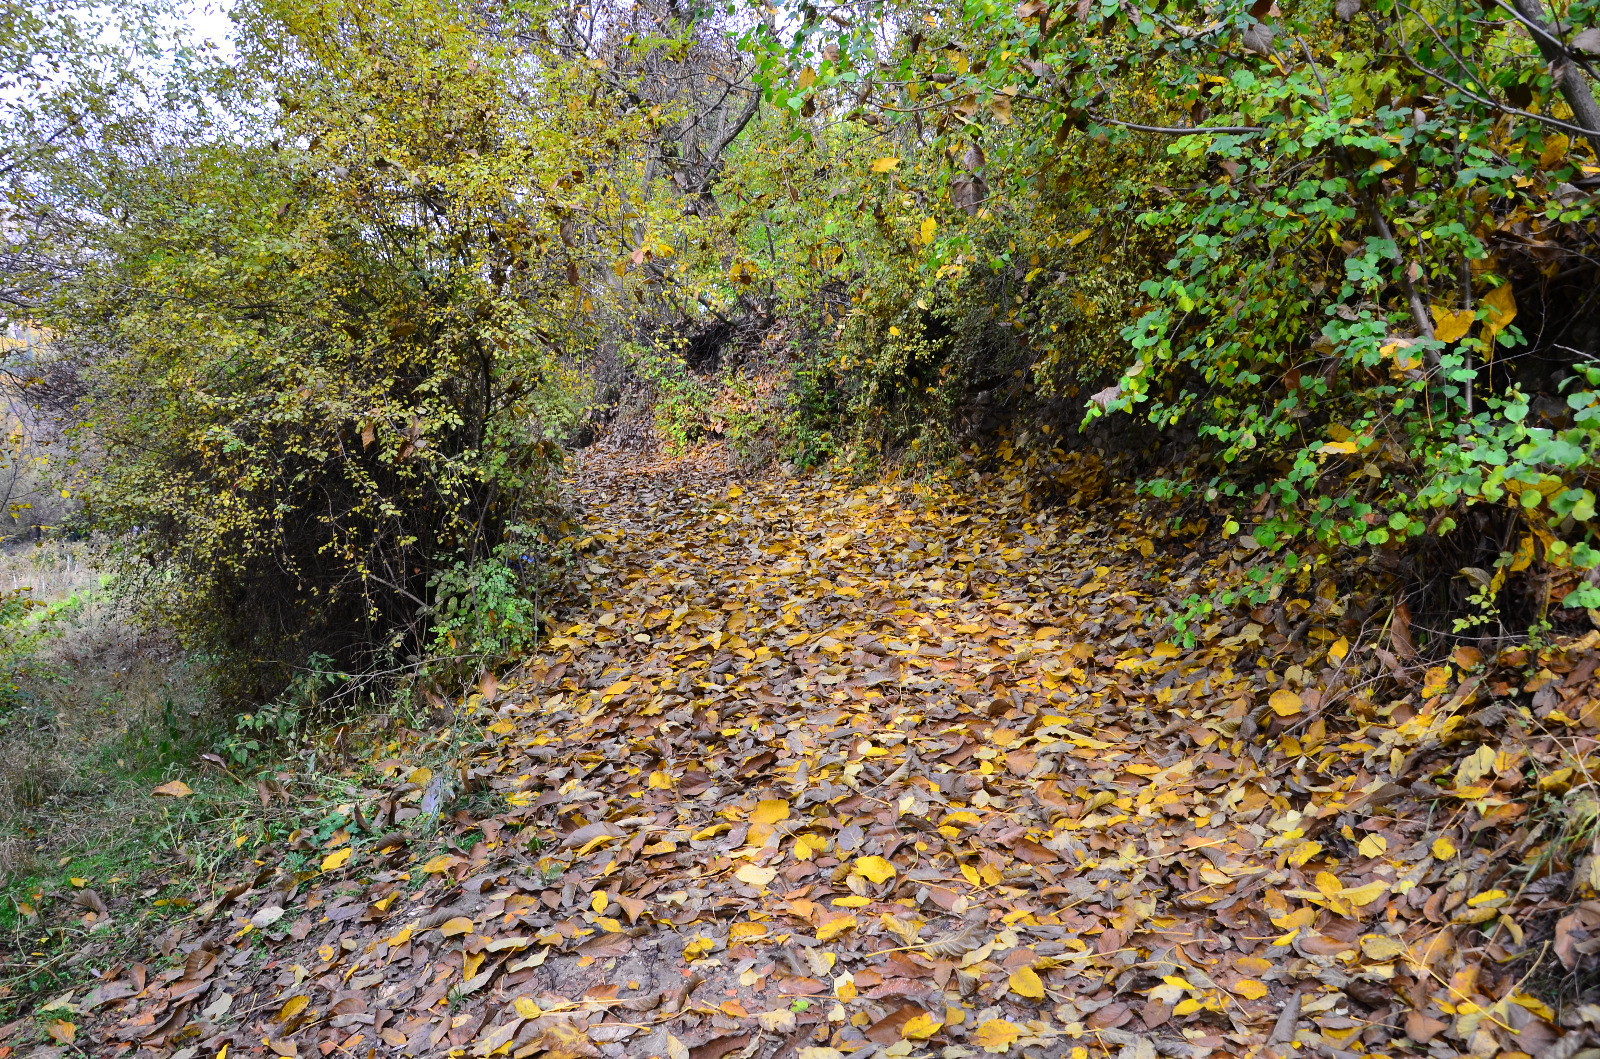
[830, 772]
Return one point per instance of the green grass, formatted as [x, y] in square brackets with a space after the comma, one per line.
[98, 716]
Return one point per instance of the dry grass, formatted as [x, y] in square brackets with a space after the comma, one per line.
[96, 705]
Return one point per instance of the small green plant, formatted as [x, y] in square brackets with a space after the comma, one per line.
[486, 609]
[276, 724]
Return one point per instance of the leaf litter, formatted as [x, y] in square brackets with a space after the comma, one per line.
[913, 770]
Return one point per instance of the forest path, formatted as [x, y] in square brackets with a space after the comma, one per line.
[874, 753]
[822, 770]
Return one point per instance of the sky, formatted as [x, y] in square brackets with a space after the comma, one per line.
[208, 20]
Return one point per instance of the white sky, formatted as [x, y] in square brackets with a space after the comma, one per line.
[208, 20]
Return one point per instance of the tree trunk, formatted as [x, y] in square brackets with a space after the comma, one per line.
[1574, 86]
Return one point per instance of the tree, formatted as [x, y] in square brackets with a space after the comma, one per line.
[329, 343]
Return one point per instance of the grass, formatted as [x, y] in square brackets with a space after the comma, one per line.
[95, 713]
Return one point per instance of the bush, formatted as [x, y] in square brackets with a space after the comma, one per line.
[328, 359]
[1336, 262]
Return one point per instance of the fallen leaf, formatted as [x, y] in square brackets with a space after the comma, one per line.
[996, 1036]
[1025, 982]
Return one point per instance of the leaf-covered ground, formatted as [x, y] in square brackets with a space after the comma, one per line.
[910, 770]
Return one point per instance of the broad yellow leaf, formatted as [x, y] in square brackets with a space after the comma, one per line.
[807, 78]
[832, 928]
[844, 986]
[929, 228]
[1373, 846]
[1025, 982]
[996, 1036]
[884, 165]
[770, 811]
[1250, 989]
[292, 1007]
[873, 869]
[920, 1027]
[1365, 895]
[1502, 306]
[1381, 947]
[754, 875]
[1450, 325]
[336, 859]
[1443, 848]
[173, 789]
[1187, 1006]
[1338, 650]
[1284, 703]
[458, 925]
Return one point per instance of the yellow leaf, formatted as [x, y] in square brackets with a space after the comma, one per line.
[832, 928]
[1555, 150]
[420, 776]
[1502, 306]
[921, 1027]
[874, 869]
[1338, 651]
[770, 811]
[844, 986]
[1365, 895]
[63, 1031]
[929, 228]
[607, 924]
[1025, 982]
[527, 1008]
[659, 781]
[1443, 849]
[1381, 947]
[173, 789]
[1250, 989]
[292, 1007]
[1535, 1005]
[458, 925]
[755, 875]
[1187, 1006]
[1284, 703]
[443, 862]
[1450, 325]
[1372, 846]
[807, 78]
[996, 1036]
[884, 165]
[336, 859]
[747, 931]
[1493, 898]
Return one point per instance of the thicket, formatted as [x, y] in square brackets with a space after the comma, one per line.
[328, 338]
[1337, 259]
